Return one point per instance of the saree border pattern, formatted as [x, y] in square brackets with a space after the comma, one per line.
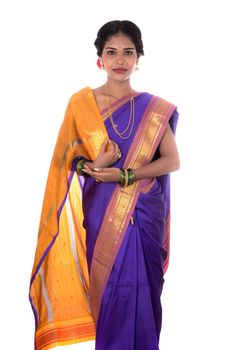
[122, 204]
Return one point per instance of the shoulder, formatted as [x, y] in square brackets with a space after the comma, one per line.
[83, 93]
[161, 99]
[83, 98]
[155, 100]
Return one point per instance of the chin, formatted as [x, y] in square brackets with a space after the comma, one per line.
[119, 78]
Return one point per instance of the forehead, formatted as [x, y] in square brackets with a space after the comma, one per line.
[119, 41]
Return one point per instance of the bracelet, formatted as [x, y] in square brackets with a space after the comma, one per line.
[131, 177]
[122, 178]
[80, 166]
[127, 177]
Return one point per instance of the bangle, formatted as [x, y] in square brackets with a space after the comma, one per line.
[80, 166]
[126, 178]
[122, 178]
[131, 177]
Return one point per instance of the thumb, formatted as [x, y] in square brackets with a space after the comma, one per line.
[103, 146]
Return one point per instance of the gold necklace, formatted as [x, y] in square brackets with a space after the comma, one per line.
[130, 121]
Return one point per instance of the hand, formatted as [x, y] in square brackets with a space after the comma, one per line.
[103, 174]
[108, 155]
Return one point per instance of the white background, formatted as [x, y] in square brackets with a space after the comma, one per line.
[47, 54]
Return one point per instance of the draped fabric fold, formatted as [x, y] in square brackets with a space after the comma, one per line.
[59, 283]
[84, 224]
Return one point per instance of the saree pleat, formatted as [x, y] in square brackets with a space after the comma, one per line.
[102, 250]
[130, 315]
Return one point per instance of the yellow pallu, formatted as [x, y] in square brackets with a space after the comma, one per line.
[64, 267]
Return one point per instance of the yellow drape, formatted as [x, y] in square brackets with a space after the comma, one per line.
[60, 283]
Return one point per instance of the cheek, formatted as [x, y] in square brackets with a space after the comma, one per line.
[107, 62]
[133, 63]
[132, 60]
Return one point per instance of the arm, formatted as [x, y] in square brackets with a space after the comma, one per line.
[168, 162]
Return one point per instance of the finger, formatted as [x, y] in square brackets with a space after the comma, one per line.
[109, 140]
[112, 143]
[110, 147]
[87, 170]
[117, 149]
[103, 146]
[97, 178]
[86, 167]
[93, 174]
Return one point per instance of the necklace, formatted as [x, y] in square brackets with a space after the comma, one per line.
[130, 121]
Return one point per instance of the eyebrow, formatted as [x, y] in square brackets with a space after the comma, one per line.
[125, 48]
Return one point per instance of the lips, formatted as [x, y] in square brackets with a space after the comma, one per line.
[120, 70]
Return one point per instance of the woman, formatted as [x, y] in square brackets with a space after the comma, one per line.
[103, 243]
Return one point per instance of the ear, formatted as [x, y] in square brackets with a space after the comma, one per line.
[100, 63]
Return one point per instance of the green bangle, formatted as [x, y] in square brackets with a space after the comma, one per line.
[80, 166]
[126, 178]
[131, 177]
[122, 178]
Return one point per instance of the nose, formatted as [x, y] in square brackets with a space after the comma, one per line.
[120, 60]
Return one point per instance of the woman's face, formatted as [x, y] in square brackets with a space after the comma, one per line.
[119, 57]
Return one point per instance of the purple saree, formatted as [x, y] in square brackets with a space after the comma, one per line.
[127, 234]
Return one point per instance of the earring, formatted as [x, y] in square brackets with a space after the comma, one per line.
[100, 63]
[137, 65]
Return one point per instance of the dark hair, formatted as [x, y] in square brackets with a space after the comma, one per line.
[114, 27]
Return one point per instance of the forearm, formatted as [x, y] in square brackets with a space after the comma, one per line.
[100, 163]
[161, 166]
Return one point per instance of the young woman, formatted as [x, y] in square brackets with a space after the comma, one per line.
[103, 242]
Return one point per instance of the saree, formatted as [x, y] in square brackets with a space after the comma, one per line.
[103, 249]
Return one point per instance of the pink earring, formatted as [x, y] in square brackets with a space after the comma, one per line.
[99, 63]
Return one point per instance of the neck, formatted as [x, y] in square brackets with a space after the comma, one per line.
[118, 89]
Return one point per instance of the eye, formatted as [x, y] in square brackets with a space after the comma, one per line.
[111, 52]
[128, 52]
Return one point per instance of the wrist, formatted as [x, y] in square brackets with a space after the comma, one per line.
[91, 165]
[97, 163]
[136, 174]
[80, 166]
[127, 177]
